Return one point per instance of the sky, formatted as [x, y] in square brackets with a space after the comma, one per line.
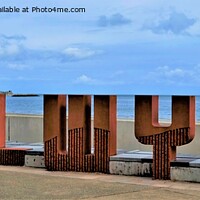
[114, 47]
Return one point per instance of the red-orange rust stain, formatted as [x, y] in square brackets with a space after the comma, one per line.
[2, 120]
[78, 156]
[164, 139]
[105, 118]
[146, 115]
[55, 132]
[79, 116]
[55, 119]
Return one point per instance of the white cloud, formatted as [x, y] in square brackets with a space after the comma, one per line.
[166, 71]
[17, 66]
[85, 79]
[10, 45]
[14, 37]
[171, 22]
[79, 53]
[114, 20]
[12, 49]
[9, 49]
[195, 29]
[179, 76]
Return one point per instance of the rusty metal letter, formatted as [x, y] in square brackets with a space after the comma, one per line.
[164, 139]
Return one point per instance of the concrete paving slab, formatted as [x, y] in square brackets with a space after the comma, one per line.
[34, 183]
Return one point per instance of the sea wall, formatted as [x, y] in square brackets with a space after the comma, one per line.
[29, 128]
[24, 128]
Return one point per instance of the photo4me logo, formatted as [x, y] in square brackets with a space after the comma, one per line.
[36, 9]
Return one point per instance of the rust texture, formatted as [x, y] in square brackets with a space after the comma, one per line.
[164, 139]
[2, 120]
[79, 130]
[76, 149]
[89, 163]
[105, 138]
[8, 156]
[71, 150]
[105, 110]
[78, 156]
[55, 132]
[15, 157]
[101, 150]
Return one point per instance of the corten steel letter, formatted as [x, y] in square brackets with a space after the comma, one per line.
[79, 131]
[8, 156]
[164, 139]
[2, 120]
[105, 137]
[55, 132]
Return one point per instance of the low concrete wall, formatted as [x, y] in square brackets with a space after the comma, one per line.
[24, 128]
[126, 136]
[29, 128]
[190, 174]
[126, 139]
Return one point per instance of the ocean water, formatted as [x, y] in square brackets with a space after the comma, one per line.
[125, 106]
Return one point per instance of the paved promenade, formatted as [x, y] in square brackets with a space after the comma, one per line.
[34, 183]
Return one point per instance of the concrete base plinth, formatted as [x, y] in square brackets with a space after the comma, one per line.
[131, 168]
[190, 174]
[34, 161]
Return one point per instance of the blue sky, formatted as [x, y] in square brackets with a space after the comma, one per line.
[115, 47]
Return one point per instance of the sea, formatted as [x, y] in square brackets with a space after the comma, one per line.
[125, 106]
